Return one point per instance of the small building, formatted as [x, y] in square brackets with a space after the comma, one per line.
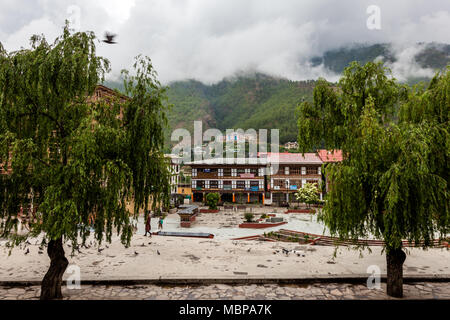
[187, 214]
[291, 145]
[185, 190]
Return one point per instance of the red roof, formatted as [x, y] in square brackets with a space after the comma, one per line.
[330, 156]
[288, 157]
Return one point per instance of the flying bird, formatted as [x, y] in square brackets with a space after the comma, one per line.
[109, 38]
[136, 253]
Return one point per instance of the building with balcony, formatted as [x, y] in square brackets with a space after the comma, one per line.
[239, 180]
[288, 173]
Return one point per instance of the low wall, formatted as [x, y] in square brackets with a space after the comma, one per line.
[209, 210]
[254, 225]
[300, 211]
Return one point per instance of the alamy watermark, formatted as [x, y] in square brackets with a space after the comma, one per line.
[374, 280]
[373, 22]
[74, 278]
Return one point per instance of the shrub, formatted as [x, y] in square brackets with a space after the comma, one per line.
[248, 217]
[212, 199]
[308, 194]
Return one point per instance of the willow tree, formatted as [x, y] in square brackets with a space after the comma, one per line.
[393, 181]
[75, 161]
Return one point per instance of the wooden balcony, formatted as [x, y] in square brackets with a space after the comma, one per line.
[214, 175]
[251, 189]
[297, 176]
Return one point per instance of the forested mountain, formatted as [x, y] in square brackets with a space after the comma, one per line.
[264, 102]
[429, 55]
[256, 101]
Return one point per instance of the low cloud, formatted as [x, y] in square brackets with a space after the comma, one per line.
[209, 40]
[406, 67]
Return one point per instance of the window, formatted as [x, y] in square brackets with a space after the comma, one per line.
[279, 183]
[311, 170]
[200, 183]
[254, 171]
[227, 185]
[296, 183]
[227, 172]
[240, 171]
[296, 170]
[214, 184]
[240, 184]
[254, 183]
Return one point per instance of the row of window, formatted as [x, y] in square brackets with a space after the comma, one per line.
[289, 184]
[256, 185]
[228, 172]
[298, 170]
[257, 172]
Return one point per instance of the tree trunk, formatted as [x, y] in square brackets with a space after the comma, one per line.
[395, 259]
[51, 284]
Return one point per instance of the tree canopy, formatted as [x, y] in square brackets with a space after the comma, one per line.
[77, 161]
[393, 181]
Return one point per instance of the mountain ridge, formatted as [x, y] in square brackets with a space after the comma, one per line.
[260, 101]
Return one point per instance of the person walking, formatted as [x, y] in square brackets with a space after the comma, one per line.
[148, 226]
[160, 223]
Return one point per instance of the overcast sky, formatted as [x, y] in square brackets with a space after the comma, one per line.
[211, 39]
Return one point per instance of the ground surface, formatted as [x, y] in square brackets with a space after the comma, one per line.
[211, 258]
[226, 292]
[162, 257]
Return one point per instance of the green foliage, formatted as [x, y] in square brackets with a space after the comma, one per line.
[257, 101]
[393, 182]
[77, 162]
[212, 199]
[308, 194]
[248, 216]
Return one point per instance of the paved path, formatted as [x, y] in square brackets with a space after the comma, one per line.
[428, 290]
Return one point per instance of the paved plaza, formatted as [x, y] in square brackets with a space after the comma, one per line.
[331, 291]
